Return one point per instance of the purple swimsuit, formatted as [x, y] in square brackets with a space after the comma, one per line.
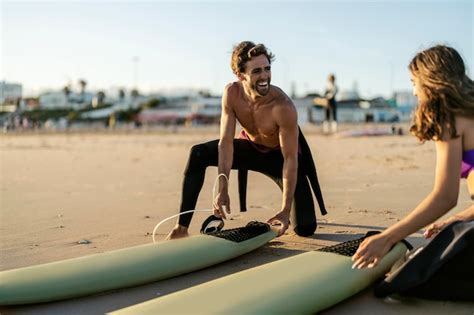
[467, 165]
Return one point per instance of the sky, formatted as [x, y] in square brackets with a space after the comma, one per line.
[167, 46]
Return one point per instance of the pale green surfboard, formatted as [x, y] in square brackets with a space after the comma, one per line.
[302, 284]
[128, 267]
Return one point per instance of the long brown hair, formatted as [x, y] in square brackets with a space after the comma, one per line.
[448, 92]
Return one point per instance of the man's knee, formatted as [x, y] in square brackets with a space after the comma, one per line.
[197, 157]
[201, 156]
[197, 151]
[305, 230]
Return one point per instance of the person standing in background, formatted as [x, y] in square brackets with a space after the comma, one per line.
[330, 121]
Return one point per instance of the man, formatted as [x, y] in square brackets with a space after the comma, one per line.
[268, 144]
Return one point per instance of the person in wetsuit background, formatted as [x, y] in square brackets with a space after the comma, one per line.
[269, 143]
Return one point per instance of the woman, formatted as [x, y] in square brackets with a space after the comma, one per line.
[445, 114]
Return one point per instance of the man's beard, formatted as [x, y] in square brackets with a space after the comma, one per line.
[261, 91]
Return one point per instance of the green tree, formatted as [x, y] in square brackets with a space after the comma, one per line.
[135, 93]
[100, 98]
[83, 85]
[121, 95]
[67, 92]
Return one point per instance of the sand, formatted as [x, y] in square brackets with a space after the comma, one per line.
[111, 188]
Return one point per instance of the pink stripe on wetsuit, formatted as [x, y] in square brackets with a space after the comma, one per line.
[259, 147]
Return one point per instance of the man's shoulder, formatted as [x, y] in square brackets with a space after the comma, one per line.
[232, 88]
[280, 98]
[232, 93]
[283, 109]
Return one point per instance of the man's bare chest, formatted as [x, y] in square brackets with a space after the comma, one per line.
[259, 123]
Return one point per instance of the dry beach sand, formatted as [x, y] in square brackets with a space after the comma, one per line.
[109, 189]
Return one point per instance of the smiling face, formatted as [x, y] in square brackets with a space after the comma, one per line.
[417, 88]
[257, 75]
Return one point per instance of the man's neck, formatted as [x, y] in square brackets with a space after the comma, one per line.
[250, 96]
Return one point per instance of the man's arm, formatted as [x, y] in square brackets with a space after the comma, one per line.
[286, 118]
[226, 150]
[288, 133]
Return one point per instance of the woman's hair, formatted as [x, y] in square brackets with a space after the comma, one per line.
[245, 51]
[447, 90]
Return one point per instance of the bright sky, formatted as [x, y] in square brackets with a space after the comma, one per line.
[188, 44]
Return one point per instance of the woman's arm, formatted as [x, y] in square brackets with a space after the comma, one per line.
[442, 198]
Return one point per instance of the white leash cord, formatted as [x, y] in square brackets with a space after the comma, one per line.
[190, 211]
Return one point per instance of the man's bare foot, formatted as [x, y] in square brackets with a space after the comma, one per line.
[178, 231]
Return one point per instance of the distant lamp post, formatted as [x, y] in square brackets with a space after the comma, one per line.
[135, 60]
[391, 78]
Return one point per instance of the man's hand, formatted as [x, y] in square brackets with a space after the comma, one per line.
[221, 205]
[281, 218]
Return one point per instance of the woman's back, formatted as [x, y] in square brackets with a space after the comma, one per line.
[465, 128]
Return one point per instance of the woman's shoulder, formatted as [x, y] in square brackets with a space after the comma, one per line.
[465, 128]
[464, 123]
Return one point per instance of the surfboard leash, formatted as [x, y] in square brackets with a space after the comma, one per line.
[196, 210]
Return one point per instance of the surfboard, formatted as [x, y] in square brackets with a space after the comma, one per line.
[367, 132]
[470, 184]
[302, 284]
[128, 267]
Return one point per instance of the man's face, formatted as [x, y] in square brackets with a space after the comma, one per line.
[258, 75]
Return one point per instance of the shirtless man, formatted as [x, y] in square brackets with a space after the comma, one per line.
[268, 144]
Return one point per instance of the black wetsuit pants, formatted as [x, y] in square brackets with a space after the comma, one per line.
[331, 111]
[246, 157]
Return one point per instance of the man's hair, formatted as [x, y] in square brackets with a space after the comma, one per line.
[448, 92]
[245, 51]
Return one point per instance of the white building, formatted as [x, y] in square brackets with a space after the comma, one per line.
[405, 99]
[347, 95]
[50, 100]
[10, 92]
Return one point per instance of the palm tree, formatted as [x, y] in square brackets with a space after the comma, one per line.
[121, 95]
[135, 93]
[100, 98]
[83, 84]
[67, 92]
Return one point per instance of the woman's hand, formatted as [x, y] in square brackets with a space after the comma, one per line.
[371, 251]
[435, 228]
